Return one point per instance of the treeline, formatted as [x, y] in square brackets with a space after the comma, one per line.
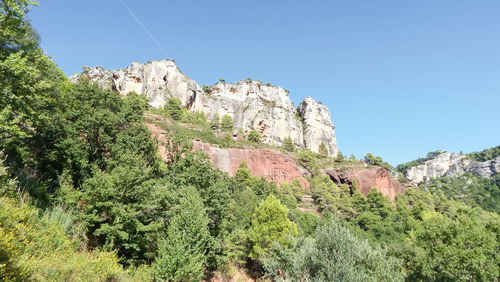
[485, 155]
[85, 196]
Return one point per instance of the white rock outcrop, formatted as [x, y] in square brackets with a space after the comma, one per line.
[318, 126]
[252, 105]
[451, 164]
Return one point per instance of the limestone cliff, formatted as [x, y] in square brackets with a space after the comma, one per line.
[252, 105]
[319, 127]
[452, 164]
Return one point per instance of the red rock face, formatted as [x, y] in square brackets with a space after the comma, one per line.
[269, 164]
[367, 179]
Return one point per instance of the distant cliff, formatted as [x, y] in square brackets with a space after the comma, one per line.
[452, 164]
[252, 105]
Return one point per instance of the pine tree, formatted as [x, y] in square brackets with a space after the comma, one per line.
[173, 108]
[322, 150]
[214, 123]
[227, 123]
[270, 224]
[181, 254]
[288, 144]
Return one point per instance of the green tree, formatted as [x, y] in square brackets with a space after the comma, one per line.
[322, 150]
[377, 161]
[16, 33]
[215, 123]
[333, 255]
[173, 108]
[460, 249]
[288, 144]
[227, 124]
[340, 157]
[182, 253]
[253, 136]
[270, 224]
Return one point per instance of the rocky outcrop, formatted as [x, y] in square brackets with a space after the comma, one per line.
[367, 179]
[318, 126]
[486, 168]
[158, 80]
[451, 165]
[252, 105]
[272, 165]
[269, 164]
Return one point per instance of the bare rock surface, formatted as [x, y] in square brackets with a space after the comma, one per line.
[451, 165]
[319, 127]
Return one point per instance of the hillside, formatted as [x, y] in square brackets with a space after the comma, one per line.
[141, 174]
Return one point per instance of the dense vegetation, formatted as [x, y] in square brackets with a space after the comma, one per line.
[485, 155]
[85, 196]
[473, 190]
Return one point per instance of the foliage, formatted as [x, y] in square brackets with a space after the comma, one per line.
[16, 33]
[288, 144]
[222, 80]
[254, 136]
[226, 124]
[215, 123]
[181, 254]
[485, 155]
[328, 195]
[377, 161]
[333, 255]
[473, 190]
[173, 108]
[322, 150]
[270, 224]
[35, 248]
[459, 249]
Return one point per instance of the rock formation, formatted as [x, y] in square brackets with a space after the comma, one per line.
[318, 126]
[452, 164]
[367, 179]
[269, 164]
[252, 105]
[272, 165]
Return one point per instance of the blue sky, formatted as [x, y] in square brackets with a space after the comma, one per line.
[401, 78]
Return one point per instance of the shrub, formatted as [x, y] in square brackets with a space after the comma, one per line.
[226, 124]
[173, 108]
[288, 144]
[254, 136]
[270, 223]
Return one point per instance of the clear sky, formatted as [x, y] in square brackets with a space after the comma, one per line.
[401, 78]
